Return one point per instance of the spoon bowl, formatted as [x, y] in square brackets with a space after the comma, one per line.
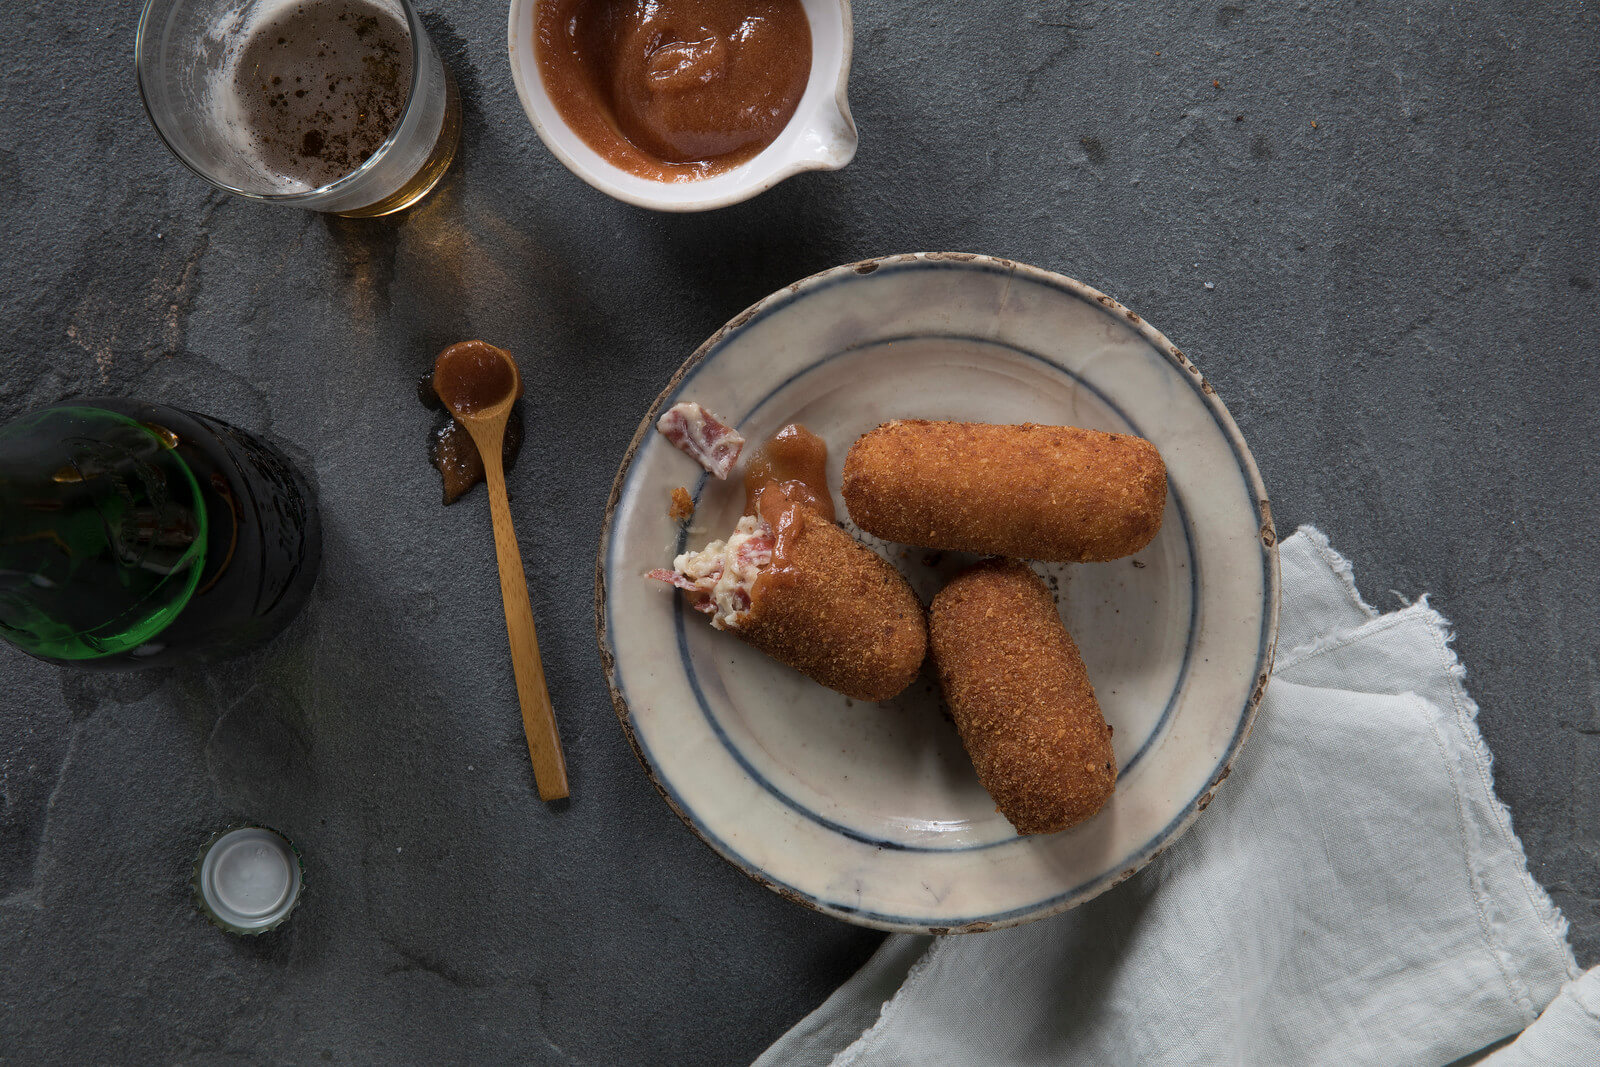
[477, 382]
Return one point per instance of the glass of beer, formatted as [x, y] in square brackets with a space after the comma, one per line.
[341, 106]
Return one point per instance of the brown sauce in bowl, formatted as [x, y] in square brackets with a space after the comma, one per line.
[674, 90]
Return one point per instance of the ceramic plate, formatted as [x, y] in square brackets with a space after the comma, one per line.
[872, 813]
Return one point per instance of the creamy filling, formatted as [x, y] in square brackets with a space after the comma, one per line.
[719, 578]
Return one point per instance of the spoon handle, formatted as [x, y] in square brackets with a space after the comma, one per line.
[538, 717]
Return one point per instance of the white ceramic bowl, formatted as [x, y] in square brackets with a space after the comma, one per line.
[872, 812]
[820, 136]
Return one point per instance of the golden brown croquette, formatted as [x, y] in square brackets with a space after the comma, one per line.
[1055, 493]
[1021, 697]
[838, 612]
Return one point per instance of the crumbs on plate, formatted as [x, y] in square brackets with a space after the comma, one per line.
[682, 509]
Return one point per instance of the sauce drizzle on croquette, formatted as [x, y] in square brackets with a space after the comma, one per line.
[792, 583]
[792, 466]
[785, 484]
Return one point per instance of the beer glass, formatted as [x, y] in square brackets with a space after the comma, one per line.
[226, 84]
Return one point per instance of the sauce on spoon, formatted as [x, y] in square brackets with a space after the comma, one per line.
[450, 447]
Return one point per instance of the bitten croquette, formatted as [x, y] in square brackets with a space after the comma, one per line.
[839, 613]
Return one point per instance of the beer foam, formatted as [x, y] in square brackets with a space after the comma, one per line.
[309, 89]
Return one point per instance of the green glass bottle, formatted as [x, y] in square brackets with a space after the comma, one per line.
[133, 534]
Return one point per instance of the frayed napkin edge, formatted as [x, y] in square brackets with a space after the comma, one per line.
[1545, 909]
[869, 1037]
[1341, 567]
[1466, 709]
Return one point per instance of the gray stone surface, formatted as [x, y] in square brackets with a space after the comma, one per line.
[1373, 226]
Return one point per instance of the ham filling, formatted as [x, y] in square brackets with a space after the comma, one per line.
[701, 435]
[719, 577]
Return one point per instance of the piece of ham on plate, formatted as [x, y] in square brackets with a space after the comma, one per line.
[702, 436]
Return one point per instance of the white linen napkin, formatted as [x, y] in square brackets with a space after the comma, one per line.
[1355, 894]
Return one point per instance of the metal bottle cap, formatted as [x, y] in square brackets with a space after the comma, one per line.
[247, 880]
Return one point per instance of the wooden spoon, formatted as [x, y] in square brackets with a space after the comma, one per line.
[478, 383]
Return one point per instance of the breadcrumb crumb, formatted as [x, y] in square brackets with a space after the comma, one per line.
[682, 509]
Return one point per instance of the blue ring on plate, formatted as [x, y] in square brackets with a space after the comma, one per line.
[817, 817]
[1094, 885]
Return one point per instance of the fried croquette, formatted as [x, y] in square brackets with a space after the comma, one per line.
[1021, 697]
[839, 613]
[811, 597]
[1056, 493]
